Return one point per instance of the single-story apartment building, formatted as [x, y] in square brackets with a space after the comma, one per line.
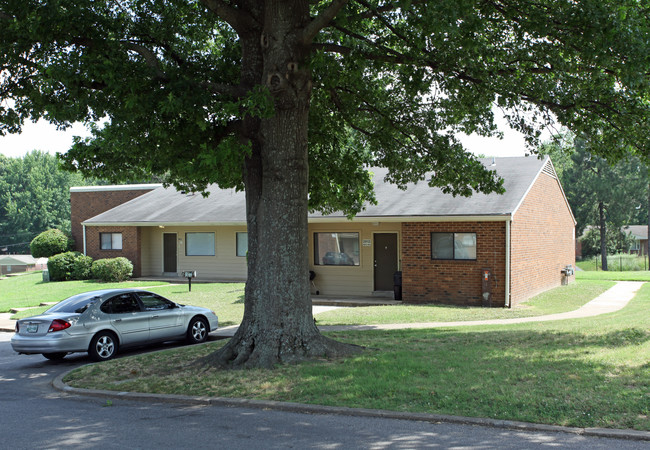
[640, 235]
[491, 249]
[10, 264]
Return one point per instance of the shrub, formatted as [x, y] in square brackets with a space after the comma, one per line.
[81, 267]
[49, 243]
[69, 266]
[112, 269]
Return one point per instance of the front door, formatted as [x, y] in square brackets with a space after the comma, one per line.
[385, 249]
[169, 253]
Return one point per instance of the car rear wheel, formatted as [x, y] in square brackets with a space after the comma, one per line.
[197, 332]
[55, 356]
[103, 346]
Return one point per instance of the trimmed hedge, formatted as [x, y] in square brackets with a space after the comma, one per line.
[69, 266]
[112, 269]
[49, 243]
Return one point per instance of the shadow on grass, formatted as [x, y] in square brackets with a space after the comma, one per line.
[553, 377]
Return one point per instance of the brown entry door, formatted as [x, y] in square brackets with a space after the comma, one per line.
[385, 249]
[169, 252]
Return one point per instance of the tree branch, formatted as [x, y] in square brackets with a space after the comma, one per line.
[149, 57]
[322, 20]
[239, 20]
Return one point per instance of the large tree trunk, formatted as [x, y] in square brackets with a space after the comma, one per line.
[603, 235]
[278, 326]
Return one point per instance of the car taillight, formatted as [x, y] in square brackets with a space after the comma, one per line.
[58, 325]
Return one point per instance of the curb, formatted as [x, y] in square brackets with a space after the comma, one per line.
[346, 411]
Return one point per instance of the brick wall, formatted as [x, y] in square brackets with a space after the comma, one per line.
[89, 203]
[131, 239]
[456, 282]
[542, 240]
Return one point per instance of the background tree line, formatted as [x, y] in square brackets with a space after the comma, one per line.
[604, 197]
[34, 197]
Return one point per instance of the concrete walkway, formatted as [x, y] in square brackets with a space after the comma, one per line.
[611, 300]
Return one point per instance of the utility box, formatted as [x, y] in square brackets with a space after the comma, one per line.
[486, 287]
[567, 272]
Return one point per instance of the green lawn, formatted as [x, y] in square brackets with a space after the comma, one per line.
[591, 372]
[614, 276]
[227, 300]
[561, 299]
[29, 290]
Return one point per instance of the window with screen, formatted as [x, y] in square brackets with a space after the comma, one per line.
[336, 249]
[461, 246]
[110, 241]
[199, 244]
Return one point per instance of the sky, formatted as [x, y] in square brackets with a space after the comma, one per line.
[45, 137]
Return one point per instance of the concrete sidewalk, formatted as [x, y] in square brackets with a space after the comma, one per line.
[611, 300]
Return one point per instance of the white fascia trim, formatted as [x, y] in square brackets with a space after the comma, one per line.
[541, 170]
[164, 224]
[383, 219]
[397, 219]
[121, 187]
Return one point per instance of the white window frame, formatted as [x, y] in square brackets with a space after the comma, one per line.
[205, 245]
[243, 236]
[117, 242]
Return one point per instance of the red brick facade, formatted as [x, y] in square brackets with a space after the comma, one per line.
[425, 280]
[89, 202]
[131, 241]
[542, 240]
[542, 243]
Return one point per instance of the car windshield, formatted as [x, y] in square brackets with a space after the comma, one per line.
[75, 304]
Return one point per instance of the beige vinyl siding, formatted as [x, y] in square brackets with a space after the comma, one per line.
[223, 266]
[226, 266]
[349, 280]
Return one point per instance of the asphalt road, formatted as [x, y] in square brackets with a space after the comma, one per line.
[33, 415]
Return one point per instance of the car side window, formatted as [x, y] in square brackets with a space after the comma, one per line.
[121, 304]
[153, 302]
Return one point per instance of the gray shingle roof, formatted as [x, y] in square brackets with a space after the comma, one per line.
[226, 206]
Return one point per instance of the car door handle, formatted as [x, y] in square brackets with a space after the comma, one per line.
[117, 320]
[155, 316]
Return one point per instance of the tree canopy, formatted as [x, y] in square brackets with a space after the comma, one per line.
[294, 100]
[601, 194]
[34, 197]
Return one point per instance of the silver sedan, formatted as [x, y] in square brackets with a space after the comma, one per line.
[101, 322]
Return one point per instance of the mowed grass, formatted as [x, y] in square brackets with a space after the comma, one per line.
[561, 299]
[592, 372]
[614, 276]
[225, 299]
[29, 290]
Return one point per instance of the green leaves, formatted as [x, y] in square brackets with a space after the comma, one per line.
[393, 83]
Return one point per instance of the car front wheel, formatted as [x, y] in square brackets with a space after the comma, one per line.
[103, 346]
[197, 332]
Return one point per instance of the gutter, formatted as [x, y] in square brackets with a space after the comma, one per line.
[508, 265]
[84, 236]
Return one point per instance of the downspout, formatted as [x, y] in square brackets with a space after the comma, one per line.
[507, 300]
[84, 235]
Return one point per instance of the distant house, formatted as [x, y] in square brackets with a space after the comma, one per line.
[640, 235]
[20, 263]
[486, 249]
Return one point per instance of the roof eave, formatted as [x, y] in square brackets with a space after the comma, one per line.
[364, 219]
